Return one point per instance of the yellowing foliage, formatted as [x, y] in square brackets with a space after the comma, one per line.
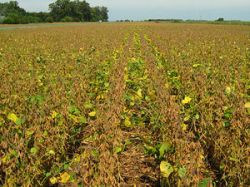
[79, 101]
[186, 100]
[247, 105]
[12, 117]
[92, 114]
[64, 178]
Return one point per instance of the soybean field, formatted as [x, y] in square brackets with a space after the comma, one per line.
[125, 104]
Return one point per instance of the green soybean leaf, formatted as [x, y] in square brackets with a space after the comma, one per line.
[165, 147]
[182, 172]
[204, 183]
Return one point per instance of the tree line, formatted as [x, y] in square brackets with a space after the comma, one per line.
[59, 11]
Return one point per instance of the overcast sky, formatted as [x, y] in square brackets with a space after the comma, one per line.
[145, 9]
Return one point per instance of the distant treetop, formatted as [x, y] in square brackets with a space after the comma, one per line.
[220, 19]
[60, 11]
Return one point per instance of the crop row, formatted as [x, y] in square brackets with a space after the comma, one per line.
[53, 98]
[211, 101]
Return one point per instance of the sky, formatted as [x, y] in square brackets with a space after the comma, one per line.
[155, 9]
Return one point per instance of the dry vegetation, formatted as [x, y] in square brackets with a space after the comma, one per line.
[125, 104]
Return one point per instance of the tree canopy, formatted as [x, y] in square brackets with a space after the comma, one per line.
[10, 8]
[60, 11]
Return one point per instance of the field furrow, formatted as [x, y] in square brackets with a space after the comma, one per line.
[138, 164]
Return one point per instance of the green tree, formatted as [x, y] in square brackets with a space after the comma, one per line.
[220, 19]
[67, 19]
[10, 8]
[60, 10]
[78, 10]
[99, 13]
[104, 13]
[40, 16]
